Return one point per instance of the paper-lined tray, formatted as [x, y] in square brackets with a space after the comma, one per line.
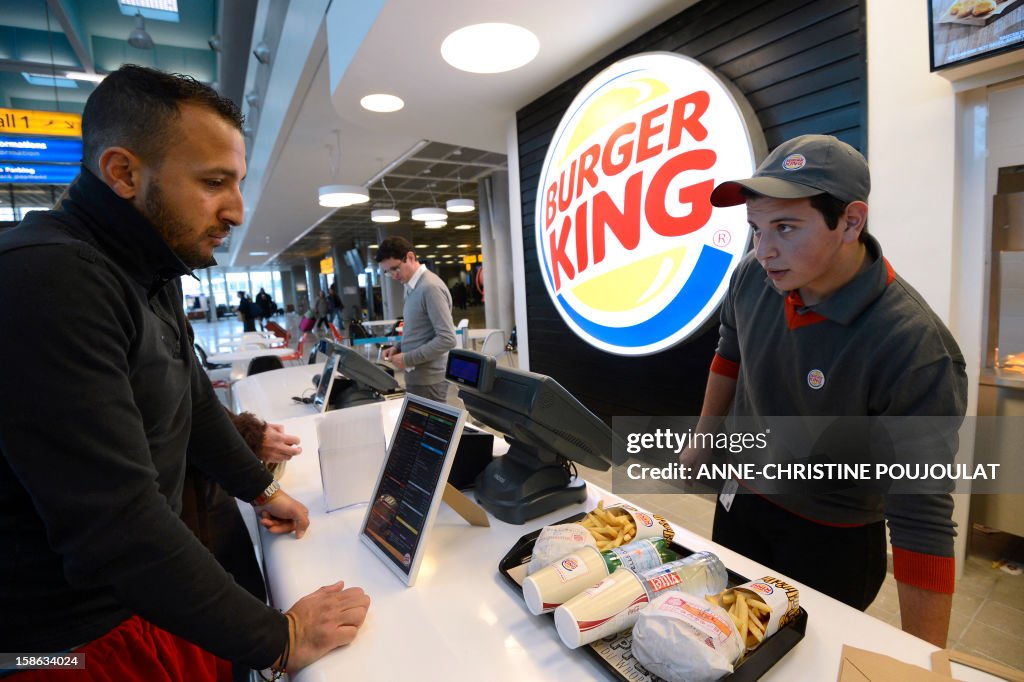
[967, 9]
[615, 652]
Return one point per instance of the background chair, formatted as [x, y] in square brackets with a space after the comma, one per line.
[300, 348]
[204, 362]
[334, 331]
[264, 363]
[494, 344]
[280, 332]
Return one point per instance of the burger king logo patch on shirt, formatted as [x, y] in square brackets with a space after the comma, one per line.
[632, 253]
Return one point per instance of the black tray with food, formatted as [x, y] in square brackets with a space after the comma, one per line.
[614, 651]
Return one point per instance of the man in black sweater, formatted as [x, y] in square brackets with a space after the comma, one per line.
[95, 420]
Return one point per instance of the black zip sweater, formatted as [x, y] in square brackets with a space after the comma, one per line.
[100, 396]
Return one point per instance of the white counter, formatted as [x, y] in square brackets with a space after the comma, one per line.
[461, 621]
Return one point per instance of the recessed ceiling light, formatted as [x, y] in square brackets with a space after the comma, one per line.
[382, 103]
[373, 246]
[422, 246]
[259, 253]
[464, 246]
[442, 246]
[91, 77]
[490, 48]
[465, 227]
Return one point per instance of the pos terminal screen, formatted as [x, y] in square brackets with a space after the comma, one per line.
[411, 481]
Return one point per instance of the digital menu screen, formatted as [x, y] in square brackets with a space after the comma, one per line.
[412, 471]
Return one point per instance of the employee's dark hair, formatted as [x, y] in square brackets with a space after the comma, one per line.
[830, 208]
[393, 247]
[136, 108]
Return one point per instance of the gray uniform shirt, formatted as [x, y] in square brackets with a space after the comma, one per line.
[429, 332]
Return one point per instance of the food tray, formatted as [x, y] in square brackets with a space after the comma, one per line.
[615, 652]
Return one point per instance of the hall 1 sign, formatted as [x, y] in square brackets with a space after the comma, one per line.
[633, 255]
[30, 122]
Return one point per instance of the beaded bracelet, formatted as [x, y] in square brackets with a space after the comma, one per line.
[276, 673]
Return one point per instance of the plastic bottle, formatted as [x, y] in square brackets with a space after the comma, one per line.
[614, 604]
[561, 580]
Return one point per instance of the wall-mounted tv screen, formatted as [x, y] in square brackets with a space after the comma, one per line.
[967, 30]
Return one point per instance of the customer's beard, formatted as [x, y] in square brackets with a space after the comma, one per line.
[178, 235]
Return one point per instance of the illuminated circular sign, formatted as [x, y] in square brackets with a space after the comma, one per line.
[633, 254]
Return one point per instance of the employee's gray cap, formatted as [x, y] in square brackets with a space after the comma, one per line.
[804, 167]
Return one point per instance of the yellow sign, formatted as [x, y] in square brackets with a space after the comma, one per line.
[472, 259]
[327, 266]
[26, 121]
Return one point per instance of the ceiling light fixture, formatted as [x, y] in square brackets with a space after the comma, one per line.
[435, 224]
[139, 37]
[259, 253]
[79, 76]
[262, 53]
[385, 215]
[490, 48]
[460, 205]
[469, 226]
[337, 196]
[382, 103]
[432, 212]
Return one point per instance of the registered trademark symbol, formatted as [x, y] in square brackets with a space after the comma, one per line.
[722, 238]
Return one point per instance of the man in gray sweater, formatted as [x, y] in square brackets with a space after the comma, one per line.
[429, 332]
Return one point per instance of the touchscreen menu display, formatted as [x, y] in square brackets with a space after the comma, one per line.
[402, 501]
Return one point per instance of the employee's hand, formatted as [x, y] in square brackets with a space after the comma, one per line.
[691, 459]
[283, 514]
[389, 351]
[278, 446]
[323, 621]
[398, 360]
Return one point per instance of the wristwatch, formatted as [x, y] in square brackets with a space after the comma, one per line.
[265, 496]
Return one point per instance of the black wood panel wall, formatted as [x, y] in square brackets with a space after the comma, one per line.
[802, 66]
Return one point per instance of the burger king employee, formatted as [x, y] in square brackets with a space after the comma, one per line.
[817, 323]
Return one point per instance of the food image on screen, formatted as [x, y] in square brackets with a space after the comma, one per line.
[403, 497]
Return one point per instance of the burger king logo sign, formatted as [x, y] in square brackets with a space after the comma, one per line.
[632, 253]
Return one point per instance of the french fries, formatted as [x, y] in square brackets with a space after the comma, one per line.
[748, 613]
[611, 527]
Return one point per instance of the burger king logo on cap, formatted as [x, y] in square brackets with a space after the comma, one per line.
[815, 379]
[633, 255]
[794, 162]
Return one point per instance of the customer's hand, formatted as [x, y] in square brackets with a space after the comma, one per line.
[283, 514]
[323, 621]
[398, 360]
[278, 446]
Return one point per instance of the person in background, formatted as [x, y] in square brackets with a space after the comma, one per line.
[265, 306]
[321, 310]
[336, 306]
[429, 332]
[247, 312]
[817, 323]
[104, 564]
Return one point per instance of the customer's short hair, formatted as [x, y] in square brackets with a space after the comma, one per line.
[136, 107]
[393, 247]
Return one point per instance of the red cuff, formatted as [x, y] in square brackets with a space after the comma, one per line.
[726, 368]
[927, 571]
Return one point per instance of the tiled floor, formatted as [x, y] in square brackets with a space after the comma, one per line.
[988, 607]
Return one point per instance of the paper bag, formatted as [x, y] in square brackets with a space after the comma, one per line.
[351, 454]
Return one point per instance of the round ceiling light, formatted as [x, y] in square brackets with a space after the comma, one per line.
[429, 213]
[336, 196]
[435, 224]
[490, 48]
[460, 205]
[382, 103]
[468, 226]
[384, 215]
